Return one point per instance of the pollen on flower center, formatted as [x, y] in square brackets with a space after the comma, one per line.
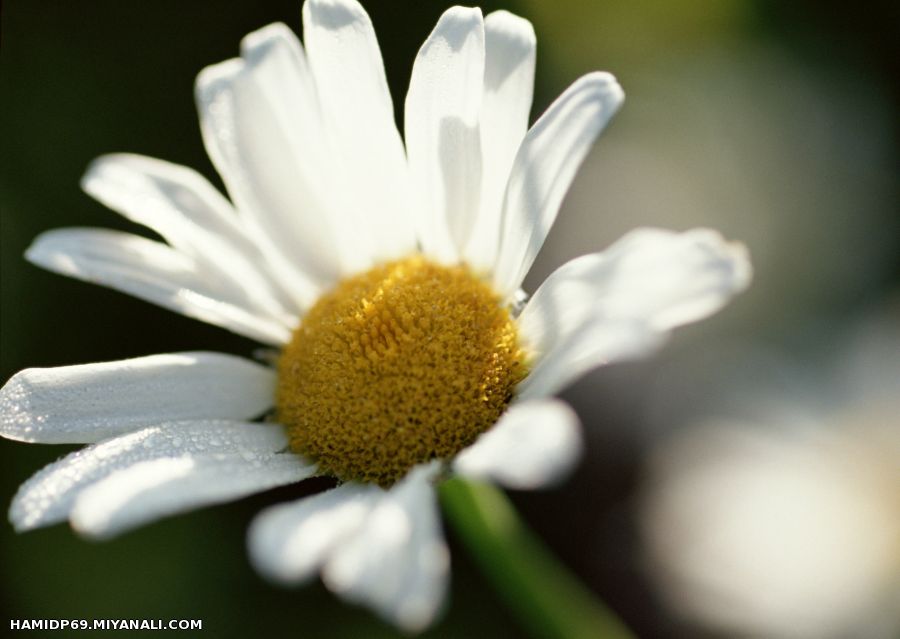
[404, 363]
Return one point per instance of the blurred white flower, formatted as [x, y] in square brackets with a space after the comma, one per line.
[389, 276]
[788, 526]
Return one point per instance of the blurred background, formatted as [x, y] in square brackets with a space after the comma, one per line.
[774, 122]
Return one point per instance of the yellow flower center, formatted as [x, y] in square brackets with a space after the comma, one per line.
[407, 362]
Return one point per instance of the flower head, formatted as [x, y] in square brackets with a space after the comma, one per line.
[386, 270]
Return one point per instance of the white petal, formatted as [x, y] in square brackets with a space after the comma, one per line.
[289, 543]
[154, 272]
[508, 87]
[150, 490]
[262, 129]
[660, 277]
[621, 303]
[47, 497]
[90, 402]
[277, 64]
[397, 562]
[535, 443]
[545, 166]
[382, 549]
[595, 343]
[194, 218]
[442, 135]
[359, 115]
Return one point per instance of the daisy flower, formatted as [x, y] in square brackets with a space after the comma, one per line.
[386, 272]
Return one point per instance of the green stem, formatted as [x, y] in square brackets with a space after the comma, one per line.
[548, 599]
